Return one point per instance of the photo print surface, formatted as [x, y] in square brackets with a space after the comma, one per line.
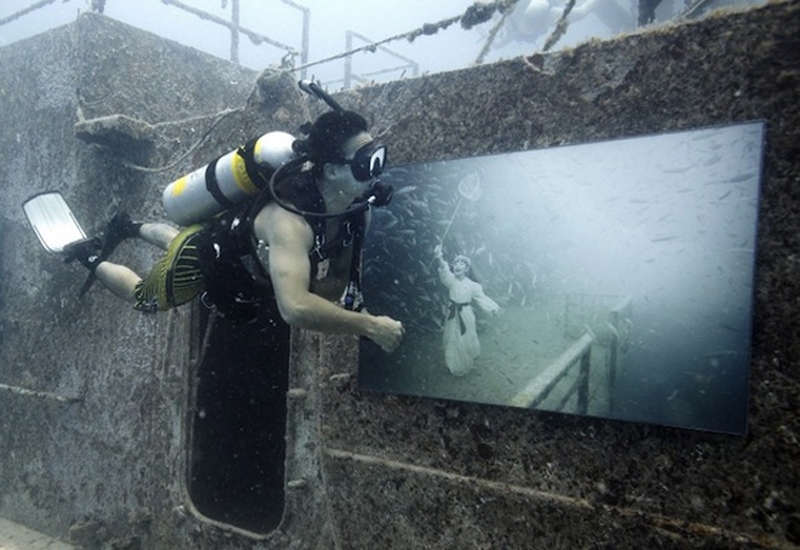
[610, 279]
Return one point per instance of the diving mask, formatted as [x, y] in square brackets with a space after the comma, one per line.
[368, 162]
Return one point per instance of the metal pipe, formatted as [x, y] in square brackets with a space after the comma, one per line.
[306, 40]
[348, 67]
[306, 34]
[235, 31]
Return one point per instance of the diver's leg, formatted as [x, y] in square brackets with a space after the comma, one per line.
[121, 227]
[119, 279]
[158, 234]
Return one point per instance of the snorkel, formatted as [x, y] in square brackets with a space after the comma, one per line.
[366, 165]
[312, 88]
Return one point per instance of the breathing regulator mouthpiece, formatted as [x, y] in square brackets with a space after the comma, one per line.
[379, 193]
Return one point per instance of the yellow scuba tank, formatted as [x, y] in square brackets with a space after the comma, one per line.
[225, 181]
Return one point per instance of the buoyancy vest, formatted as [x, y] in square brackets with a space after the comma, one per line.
[233, 259]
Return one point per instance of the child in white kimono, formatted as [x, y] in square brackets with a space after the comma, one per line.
[461, 345]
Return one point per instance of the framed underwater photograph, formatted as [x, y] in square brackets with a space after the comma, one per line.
[610, 279]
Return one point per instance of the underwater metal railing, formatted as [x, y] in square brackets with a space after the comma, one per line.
[236, 29]
[349, 75]
[619, 324]
[233, 25]
[579, 353]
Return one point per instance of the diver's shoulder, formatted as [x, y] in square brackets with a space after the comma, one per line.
[273, 219]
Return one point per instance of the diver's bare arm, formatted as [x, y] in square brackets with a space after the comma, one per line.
[290, 239]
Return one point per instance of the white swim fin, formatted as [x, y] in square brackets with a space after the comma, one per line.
[52, 221]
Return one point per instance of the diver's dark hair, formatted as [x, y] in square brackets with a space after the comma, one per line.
[329, 133]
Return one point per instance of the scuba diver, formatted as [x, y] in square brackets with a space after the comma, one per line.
[299, 240]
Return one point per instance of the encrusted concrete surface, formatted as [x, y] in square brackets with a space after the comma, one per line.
[369, 470]
[91, 470]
